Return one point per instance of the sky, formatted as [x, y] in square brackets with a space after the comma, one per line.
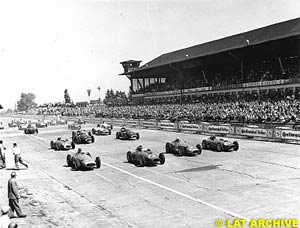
[47, 46]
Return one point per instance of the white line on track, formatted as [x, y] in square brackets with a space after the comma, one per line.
[103, 177]
[177, 192]
[168, 189]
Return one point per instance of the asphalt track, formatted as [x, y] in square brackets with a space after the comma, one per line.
[261, 180]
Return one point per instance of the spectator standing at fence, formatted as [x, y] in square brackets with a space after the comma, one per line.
[14, 196]
[2, 155]
[18, 158]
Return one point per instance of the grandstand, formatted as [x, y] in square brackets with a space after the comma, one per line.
[257, 63]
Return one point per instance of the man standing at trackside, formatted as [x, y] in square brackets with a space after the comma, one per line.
[17, 154]
[2, 155]
[14, 196]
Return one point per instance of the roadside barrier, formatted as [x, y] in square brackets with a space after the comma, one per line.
[281, 134]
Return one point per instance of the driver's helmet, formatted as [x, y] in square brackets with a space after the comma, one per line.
[59, 138]
[98, 125]
[139, 148]
[177, 139]
[123, 129]
[212, 137]
[79, 150]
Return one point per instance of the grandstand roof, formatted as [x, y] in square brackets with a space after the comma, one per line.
[272, 32]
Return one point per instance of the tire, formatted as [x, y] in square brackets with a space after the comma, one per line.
[37, 131]
[117, 135]
[162, 158]
[73, 145]
[69, 160]
[180, 151]
[57, 147]
[111, 126]
[98, 162]
[141, 161]
[204, 144]
[73, 134]
[236, 145]
[219, 147]
[25, 131]
[198, 146]
[90, 133]
[137, 136]
[109, 132]
[129, 157]
[93, 131]
[168, 147]
[93, 138]
[51, 145]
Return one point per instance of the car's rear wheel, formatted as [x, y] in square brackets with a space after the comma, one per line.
[117, 135]
[57, 147]
[199, 148]
[137, 135]
[168, 147]
[129, 157]
[93, 131]
[219, 147]
[141, 161]
[109, 132]
[162, 158]
[180, 151]
[204, 144]
[236, 145]
[69, 160]
[73, 145]
[36, 130]
[98, 162]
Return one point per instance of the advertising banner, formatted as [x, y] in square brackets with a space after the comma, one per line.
[218, 129]
[149, 123]
[132, 123]
[118, 122]
[189, 127]
[166, 124]
[287, 134]
[254, 132]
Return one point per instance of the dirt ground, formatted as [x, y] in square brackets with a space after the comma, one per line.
[260, 180]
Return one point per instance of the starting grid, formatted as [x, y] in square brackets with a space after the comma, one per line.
[281, 134]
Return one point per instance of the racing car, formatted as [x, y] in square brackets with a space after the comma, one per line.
[74, 126]
[125, 133]
[82, 137]
[79, 121]
[13, 123]
[41, 124]
[180, 147]
[100, 130]
[62, 144]
[31, 129]
[142, 156]
[82, 161]
[106, 125]
[22, 126]
[212, 143]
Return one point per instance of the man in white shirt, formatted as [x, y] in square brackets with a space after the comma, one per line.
[2, 155]
[17, 154]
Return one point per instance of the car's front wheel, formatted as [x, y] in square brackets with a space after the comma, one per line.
[98, 162]
[168, 147]
[162, 158]
[137, 136]
[236, 145]
[180, 151]
[219, 147]
[199, 148]
[129, 157]
[141, 161]
[69, 160]
[204, 145]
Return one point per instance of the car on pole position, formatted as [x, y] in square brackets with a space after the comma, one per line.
[181, 147]
[83, 161]
[126, 133]
[143, 156]
[82, 137]
[62, 144]
[215, 144]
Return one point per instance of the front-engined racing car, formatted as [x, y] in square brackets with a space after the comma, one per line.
[143, 156]
[83, 161]
[62, 144]
[13, 123]
[41, 124]
[212, 143]
[100, 130]
[125, 133]
[82, 137]
[31, 129]
[74, 126]
[181, 147]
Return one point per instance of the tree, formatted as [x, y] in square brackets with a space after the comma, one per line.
[26, 102]
[67, 97]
